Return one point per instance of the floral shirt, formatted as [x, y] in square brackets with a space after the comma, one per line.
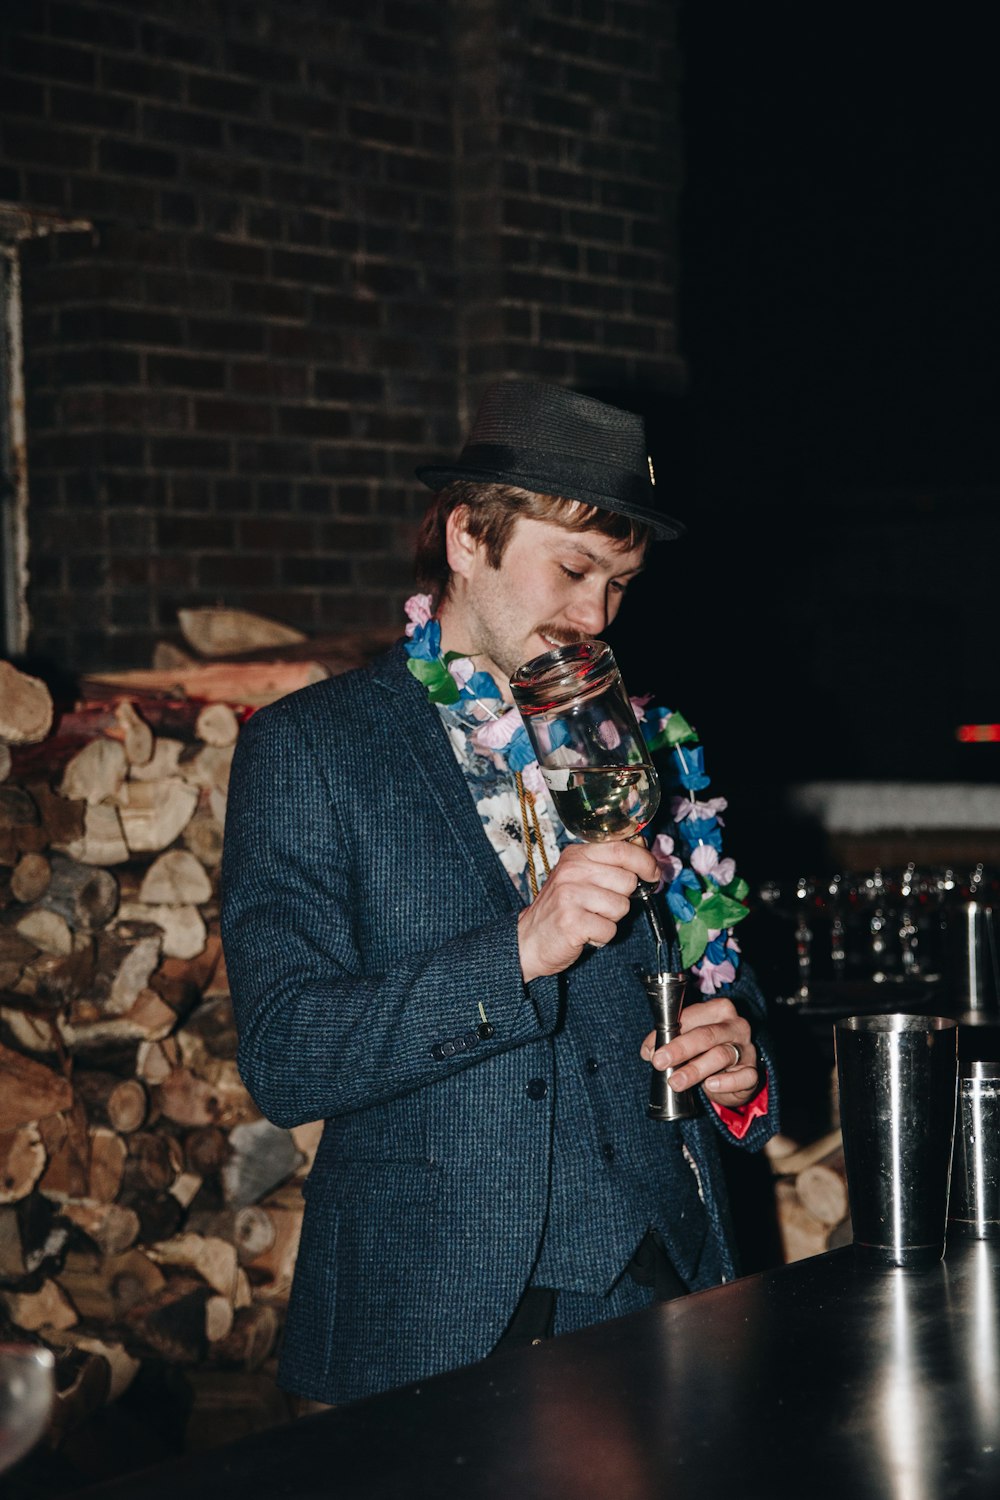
[494, 792]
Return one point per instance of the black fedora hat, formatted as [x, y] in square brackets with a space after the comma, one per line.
[552, 441]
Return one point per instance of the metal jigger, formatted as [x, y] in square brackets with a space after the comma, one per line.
[666, 993]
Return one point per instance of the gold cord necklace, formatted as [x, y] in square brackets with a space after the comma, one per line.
[532, 833]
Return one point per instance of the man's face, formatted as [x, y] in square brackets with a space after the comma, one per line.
[553, 587]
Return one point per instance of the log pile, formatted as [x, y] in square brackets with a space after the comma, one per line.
[810, 1192]
[147, 1212]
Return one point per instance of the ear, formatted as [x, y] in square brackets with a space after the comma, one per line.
[462, 547]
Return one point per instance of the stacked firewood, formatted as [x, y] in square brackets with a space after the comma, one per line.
[810, 1193]
[147, 1211]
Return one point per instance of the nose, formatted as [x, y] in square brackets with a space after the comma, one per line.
[589, 610]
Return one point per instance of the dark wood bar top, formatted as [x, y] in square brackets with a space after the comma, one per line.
[819, 1379]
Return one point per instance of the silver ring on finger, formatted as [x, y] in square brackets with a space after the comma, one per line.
[737, 1056]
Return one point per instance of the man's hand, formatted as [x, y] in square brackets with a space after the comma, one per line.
[714, 1048]
[581, 902]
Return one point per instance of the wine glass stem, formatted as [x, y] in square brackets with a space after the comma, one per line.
[647, 895]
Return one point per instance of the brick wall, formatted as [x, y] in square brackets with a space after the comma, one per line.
[314, 232]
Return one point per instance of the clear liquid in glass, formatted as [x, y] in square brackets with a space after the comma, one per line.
[598, 803]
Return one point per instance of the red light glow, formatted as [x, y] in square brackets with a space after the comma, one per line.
[977, 734]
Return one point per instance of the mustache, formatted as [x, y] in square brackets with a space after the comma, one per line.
[560, 636]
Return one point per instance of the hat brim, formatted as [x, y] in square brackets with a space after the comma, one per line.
[663, 527]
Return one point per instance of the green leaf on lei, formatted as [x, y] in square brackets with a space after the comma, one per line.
[720, 911]
[441, 686]
[693, 937]
[678, 731]
[738, 889]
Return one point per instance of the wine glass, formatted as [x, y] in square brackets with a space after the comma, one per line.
[589, 747]
[590, 750]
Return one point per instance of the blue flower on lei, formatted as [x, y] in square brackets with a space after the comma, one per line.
[679, 905]
[704, 831]
[480, 686]
[425, 642]
[690, 764]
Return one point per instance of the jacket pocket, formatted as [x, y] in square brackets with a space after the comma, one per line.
[307, 1350]
[351, 1184]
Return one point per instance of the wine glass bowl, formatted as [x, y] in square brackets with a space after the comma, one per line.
[590, 750]
[599, 803]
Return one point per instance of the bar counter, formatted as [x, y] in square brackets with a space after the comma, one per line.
[818, 1378]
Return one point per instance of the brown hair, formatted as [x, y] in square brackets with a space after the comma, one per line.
[493, 510]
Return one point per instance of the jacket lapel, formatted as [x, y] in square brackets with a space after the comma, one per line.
[425, 739]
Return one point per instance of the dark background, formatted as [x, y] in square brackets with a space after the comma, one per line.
[831, 612]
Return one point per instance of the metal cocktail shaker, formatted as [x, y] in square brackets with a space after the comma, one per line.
[974, 1209]
[666, 992]
[898, 1083]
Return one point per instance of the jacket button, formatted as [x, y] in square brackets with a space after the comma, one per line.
[536, 1088]
[591, 1065]
[608, 1151]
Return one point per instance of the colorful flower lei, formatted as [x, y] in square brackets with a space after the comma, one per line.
[703, 892]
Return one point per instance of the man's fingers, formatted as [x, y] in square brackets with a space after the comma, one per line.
[622, 854]
[580, 905]
[714, 1039]
[701, 1056]
[714, 1049]
[740, 1080]
[718, 1012]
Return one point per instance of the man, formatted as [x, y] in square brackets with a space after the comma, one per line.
[419, 957]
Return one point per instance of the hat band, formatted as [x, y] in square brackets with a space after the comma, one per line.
[551, 473]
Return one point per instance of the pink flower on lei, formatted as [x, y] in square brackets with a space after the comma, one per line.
[492, 737]
[607, 733]
[712, 977]
[419, 610]
[662, 850]
[461, 669]
[705, 860]
[687, 807]
[496, 733]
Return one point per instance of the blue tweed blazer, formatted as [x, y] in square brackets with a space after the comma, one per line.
[365, 918]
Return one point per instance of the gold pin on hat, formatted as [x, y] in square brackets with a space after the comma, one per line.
[652, 476]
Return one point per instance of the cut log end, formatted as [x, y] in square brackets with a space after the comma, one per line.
[26, 709]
